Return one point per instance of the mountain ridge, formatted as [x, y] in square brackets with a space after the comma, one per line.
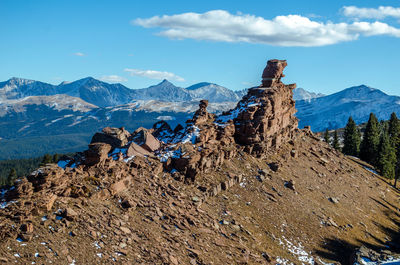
[207, 192]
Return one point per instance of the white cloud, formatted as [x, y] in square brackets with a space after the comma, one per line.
[375, 13]
[290, 30]
[152, 74]
[113, 78]
[79, 54]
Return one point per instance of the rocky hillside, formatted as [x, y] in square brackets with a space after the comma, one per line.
[243, 187]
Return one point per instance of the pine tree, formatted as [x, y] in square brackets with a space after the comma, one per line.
[56, 157]
[47, 159]
[326, 136]
[335, 142]
[394, 133]
[394, 126]
[12, 176]
[351, 138]
[386, 157]
[370, 143]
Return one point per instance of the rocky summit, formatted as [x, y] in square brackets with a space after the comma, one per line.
[244, 187]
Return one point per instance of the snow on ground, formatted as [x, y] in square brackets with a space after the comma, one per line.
[297, 250]
[390, 261]
[6, 204]
[233, 114]
[63, 163]
[166, 118]
[191, 136]
[371, 170]
[167, 153]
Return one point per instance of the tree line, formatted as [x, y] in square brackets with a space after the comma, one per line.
[379, 145]
[12, 169]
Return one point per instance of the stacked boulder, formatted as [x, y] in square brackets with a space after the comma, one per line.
[266, 116]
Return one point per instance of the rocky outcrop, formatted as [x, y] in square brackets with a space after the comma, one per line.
[201, 116]
[273, 73]
[266, 114]
[162, 130]
[116, 137]
[96, 153]
[222, 190]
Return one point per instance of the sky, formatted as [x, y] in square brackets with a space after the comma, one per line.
[329, 45]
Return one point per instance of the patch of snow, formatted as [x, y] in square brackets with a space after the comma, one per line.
[192, 133]
[233, 114]
[63, 163]
[282, 261]
[371, 170]
[126, 160]
[6, 204]
[96, 244]
[36, 255]
[100, 255]
[165, 154]
[17, 255]
[166, 118]
[298, 251]
[115, 153]
[390, 261]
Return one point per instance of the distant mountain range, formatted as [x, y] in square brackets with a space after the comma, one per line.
[333, 111]
[37, 117]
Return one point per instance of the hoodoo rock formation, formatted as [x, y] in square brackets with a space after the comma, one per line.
[244, 187]
[268, 115]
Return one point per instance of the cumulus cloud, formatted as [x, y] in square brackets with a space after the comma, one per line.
[152, 74]
[290, 30]
[374, 13]
[113, 78]
[79, 54]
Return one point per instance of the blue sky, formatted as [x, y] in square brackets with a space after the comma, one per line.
[329, 45]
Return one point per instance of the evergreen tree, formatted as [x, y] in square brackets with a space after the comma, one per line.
[47, 159]
[12, 176]
[370, 143]
[56, 157]
[394, 133]
[335, 142]
[394, 126]
[386, 157]
[351, 138]
[326, 136]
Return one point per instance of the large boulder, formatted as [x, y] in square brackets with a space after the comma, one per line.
[146, 140]
[116, 137]
[96, 153]
[137, 150]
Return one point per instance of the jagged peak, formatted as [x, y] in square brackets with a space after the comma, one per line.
[20, 80]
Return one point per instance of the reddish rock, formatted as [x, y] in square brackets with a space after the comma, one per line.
[136, 150]
[96, 153]
[273, 72]
[266, 117]
[146, 140]
[201, 116]
[116, 137]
